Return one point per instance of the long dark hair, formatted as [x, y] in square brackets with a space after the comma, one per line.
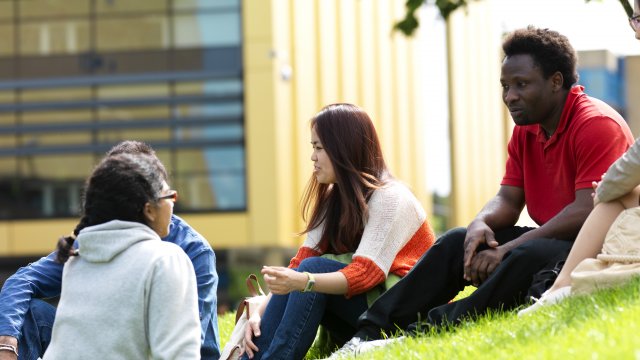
[118, 189]
[350, 140]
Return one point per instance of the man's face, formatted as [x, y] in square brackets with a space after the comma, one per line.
[525, 91]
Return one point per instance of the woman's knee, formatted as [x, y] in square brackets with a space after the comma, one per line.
[318, 264]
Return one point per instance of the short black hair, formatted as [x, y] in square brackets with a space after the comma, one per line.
[131, 147]
[550, 50]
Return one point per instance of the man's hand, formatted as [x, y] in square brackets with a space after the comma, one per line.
[9, 340]
[478, 232]
[484, 263]
[282, 280]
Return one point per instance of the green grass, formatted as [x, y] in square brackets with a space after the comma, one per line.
[605, 325]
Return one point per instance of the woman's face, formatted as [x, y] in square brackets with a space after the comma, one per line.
[322, 166]
[636, 12]
[159, 213]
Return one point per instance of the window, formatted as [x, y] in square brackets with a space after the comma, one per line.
[91, 73]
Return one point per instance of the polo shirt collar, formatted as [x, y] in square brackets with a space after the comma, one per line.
[574, 93]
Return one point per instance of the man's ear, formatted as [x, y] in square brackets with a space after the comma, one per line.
[149, 212]
[557, 81]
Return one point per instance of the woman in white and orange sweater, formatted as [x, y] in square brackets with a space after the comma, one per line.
[358, 211]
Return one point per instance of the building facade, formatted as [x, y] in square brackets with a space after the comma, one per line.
[223, 90]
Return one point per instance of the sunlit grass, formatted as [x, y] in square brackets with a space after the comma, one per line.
[605, 325]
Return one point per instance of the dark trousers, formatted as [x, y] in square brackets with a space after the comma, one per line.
[424, 293]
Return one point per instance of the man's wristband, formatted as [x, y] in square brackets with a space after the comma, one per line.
[9, 347]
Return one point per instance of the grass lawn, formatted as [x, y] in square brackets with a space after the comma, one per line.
[605, 325]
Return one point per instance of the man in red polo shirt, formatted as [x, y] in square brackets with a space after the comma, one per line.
[563, 140]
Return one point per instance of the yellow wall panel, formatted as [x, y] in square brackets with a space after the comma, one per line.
[328, 49]
[5, 237]
[28, 238]
[477, 117]
[348, 75]
[223, 231]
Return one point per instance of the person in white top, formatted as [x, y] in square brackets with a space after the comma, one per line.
[125, 293]
[364, 228]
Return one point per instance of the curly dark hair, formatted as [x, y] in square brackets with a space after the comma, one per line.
[118, 189]
[550, 50]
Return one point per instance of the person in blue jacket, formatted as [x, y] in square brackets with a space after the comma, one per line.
[26, 320]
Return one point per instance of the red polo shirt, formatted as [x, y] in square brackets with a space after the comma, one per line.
[590, 136]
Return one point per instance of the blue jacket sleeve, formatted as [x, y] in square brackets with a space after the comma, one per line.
[41, 279]
[204, 264]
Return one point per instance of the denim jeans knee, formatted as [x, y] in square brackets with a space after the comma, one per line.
[36, 330]
[318, 264]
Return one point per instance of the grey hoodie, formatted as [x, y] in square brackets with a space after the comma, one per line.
[128, 295]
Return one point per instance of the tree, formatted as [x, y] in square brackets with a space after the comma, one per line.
[410, 22]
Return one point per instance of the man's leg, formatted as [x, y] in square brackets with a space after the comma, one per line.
[435, 279]
[36, 330]
[507, 286]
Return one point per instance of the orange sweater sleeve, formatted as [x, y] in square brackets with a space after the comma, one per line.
[362, 275]
[303, 253]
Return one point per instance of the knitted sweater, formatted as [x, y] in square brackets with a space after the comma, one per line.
[395, 236]
[128, 295]
[622, 176]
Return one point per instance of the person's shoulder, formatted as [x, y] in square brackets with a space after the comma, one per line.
[183, 235]
[393, 189]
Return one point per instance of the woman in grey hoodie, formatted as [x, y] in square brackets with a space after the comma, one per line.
[125, 293]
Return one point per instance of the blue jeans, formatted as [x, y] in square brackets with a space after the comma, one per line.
[36, 330]
[290, 322]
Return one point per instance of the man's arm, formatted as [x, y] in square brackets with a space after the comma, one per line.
[500, 212]
[41, 279]
[565, 225]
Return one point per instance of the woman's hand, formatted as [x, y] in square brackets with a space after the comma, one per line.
[594, 185]
[252, 330]
[282, 280]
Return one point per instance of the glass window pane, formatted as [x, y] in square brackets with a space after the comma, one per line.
[205, 30]
[131, 91]
[211, 178]
[6, 34]
[54, 37]
[50, 138]
[8, 163]
[138, 32]
[53, 8]
[6, 10]
[57, 117]
[146, 135]
[45, 186]
[120, 6]
[219, 87]
[59, 167]
[204, 4]
[7, 96]
[46, 95]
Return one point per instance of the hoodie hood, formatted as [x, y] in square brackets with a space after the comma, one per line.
[101, 243]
